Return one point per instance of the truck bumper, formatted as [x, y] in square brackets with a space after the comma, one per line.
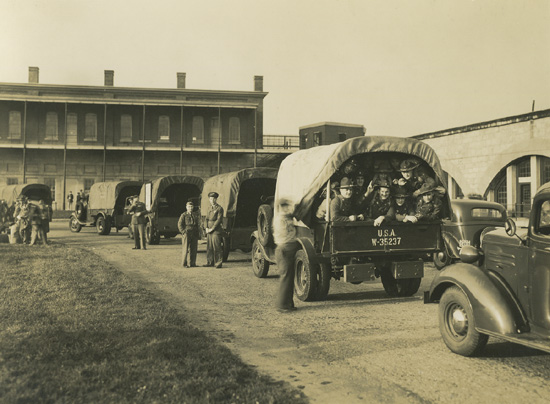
[399, 270]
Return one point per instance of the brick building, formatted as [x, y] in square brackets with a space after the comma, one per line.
[70, 136]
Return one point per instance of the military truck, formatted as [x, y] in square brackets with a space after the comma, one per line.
[241, 195]
[34, 193]
[165, 200]
[499, 289]
[352, 251]
[105, 208]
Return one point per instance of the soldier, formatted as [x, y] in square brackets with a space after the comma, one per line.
[36, 213]
[428, 206]
[381, 202]
[342, 208]
[188, 225]
[408, 180]
[22, 217]
[403, 209]
[214, 216]
[70, 199]
[137, 210]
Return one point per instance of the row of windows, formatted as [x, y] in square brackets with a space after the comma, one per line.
[126, 129]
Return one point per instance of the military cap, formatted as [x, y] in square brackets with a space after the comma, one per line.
[382, 182]
[346, 183]
[189, 203]
[408, 165]
[213, 194]
[400, 191]
[428, 186]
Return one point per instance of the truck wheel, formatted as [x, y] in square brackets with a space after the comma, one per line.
[74, 225]
[441, 259]
[260, 266]
[399, 287]
[323, 281]
[151, 234]
[305, 281]
[457, 324]
[103, 225]
[265, 221]
[226, 244]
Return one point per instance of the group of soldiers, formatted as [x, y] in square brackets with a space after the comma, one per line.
[28, 223]
[406, 194]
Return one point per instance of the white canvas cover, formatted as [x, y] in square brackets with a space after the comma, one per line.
[303, 173]
[103, 195]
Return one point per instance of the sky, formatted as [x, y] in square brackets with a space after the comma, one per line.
[398, 67]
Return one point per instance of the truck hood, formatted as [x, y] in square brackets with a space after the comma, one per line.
[499, 236]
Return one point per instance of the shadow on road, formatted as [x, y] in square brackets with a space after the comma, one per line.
[509, 350]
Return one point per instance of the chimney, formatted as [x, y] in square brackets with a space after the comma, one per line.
[258, 83]
[181, 80]
[33, 75]
[109, 78]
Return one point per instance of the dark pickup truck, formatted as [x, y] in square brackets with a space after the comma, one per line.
[500, 289]
[352, 251]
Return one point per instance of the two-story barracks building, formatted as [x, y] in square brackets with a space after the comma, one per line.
[70, 136]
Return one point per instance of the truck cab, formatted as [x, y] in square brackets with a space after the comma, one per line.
[501, 289]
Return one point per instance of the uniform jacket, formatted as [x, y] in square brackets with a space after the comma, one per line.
[379, 207]
[341, 209]
[137, 210]
[214, 218]
[399, 212]
[428, 211]
[188, 224]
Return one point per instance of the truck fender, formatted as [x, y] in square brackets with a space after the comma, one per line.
[492, 310]
[451, 244]
[267, 252]
[307, 246]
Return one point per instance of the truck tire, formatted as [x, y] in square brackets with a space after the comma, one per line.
[74, 226]
[260, 266]
[265, 224]
[399, 287]
[306, 274]
[457, 324]
[151, 234]
[323, 281]
[226, 245]
[103, 225]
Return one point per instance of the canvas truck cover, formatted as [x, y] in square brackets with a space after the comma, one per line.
[228, 185]
[33, 191]
[103, 195]
[303, 173]
[160, 184]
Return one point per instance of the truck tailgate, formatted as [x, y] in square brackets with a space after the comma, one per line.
[357, 237]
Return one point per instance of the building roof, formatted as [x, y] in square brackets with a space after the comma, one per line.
[315, 125]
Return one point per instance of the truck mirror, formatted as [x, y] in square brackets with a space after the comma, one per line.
[510, 227]
[469, 254]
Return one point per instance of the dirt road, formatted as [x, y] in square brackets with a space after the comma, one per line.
[359, 346]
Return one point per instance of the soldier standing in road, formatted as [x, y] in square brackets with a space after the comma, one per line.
[214, 216]
[70, 199]
[284, 234]
[188, 225]
[137, 210]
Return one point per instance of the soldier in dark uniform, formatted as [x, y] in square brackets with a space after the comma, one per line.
[403, 209]
[137, 210]
[428, 206]
[408, 180]
[381, 202]
[188, 225]
[342, 206]
[214, 216]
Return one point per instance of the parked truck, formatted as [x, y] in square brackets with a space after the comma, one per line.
[34, 192]
[352, 251]
[165, 200]
[500, 289]
[241, 195]
[105, 208]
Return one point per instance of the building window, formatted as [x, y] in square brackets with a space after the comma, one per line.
[126, 128]
[500, 192]
[14, 125]
[164, 127]
[51, 126]
[198, 129]
[12, 181]
[91, 127]
[317, 139]
[88, 182]
[51, 183]
[524, 168]
[234, 130]
[72, 124]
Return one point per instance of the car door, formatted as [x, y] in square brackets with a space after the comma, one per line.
[539, 268]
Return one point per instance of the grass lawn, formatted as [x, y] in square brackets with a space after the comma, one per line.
[73, 329]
